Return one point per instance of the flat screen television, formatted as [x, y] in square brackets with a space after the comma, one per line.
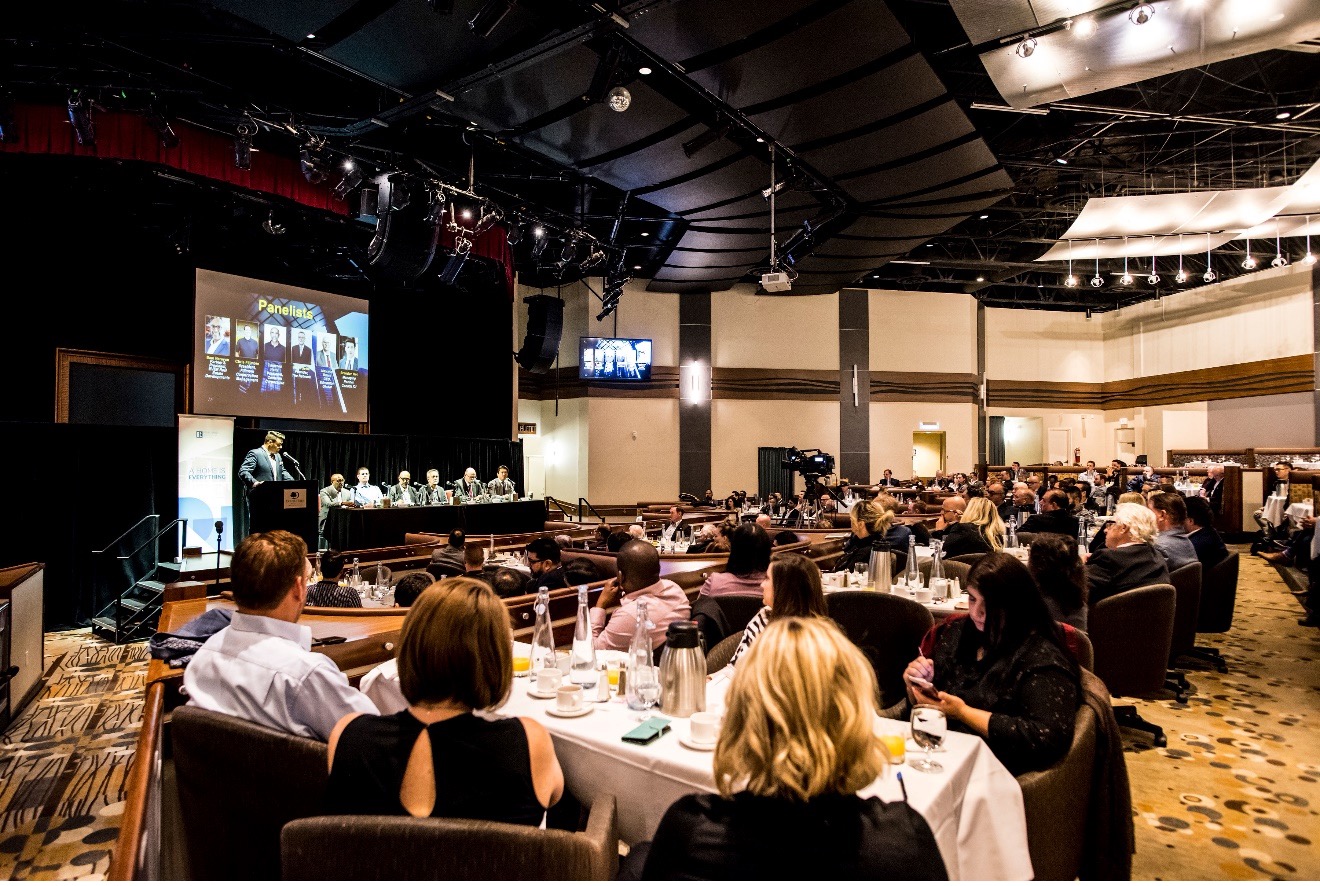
[615, 359]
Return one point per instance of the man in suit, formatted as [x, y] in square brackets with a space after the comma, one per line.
[247, 343]
[501, 488]
[404, 492]
[675, 524]
[468, 491]
[334, 494]
[1209, 545]
[217, 343]
[1129, 559]
[1054, 516]
[264, 463]
[1213, 488]
[1019, 474]
[274, 351]
[301, 353]
[325, 357]
[1170, 518]
[995, 492]
[350, 360]
[889, 479]
[433, 493]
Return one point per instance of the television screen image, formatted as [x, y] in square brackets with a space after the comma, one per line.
[619, 359]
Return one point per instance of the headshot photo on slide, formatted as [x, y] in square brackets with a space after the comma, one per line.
[247, 346]
[273, 350]
[215, 336]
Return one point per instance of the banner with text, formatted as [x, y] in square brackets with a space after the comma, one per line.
[206, 493]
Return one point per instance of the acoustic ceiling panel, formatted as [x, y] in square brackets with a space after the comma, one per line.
[986, 20]
[922, 134]
[900, 179]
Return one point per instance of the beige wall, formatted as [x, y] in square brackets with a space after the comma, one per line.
[1087, 427]
[564, 446]
[1046, 345]
[922, 331]
[641, 314]
[774, 332]
[634, 450]
[740, 427]
[892, 427]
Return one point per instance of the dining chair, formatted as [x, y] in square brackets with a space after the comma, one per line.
[400, 847]
[721, 652]
[969, 559]
[1186, 581]
[238, 784]
[1056, 802]
[1131, 633]
[888, 629]
[952, 569]
[1218, 600]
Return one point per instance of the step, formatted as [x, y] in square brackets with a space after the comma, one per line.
[134, 604]
[105, 625]
[148, 584]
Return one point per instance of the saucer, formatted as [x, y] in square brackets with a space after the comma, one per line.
[554, 711]
[687, 742]
[536, 693]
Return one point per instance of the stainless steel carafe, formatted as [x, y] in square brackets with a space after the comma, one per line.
[682, 671]
[882, 570]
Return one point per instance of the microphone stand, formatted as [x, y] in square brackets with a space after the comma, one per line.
[297, 467]
[219, 535]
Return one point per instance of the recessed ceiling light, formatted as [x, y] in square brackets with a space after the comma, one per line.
[1283, 115]
[980, 279]
[759, 140]
[311, 36]
[1062, 161]
[637, 267]
[985, 216]
[1084, 28]
[646, 233]
[644, 70]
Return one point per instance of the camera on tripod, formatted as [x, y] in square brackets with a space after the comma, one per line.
[810, 463]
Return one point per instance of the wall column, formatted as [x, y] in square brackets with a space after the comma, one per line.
[694, 451]
[1315, 346]
[854, 411]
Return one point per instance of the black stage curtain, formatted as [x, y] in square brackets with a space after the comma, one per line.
[997, 454]
[83, 485]
[770, 472]
[385, 455]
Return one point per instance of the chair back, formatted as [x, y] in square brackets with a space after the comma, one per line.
[444, 570]
[1025, 538]
[719, 655]
[952, 569]
[377, 575]
[1131, 633]
[738, 609]
[1218, 596]
[1085, 651]
[969, 559]
[400, 847]
[606, 565]
[1186, 581]
[1056, 803]
[238, 784]
[887, 629]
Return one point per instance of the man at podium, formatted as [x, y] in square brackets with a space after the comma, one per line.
[264, 463]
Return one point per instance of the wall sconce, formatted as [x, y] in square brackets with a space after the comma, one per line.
[695, 382]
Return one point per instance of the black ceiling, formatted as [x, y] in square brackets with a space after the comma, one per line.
[868, 106]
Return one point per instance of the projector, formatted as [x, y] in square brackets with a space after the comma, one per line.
[776, 281]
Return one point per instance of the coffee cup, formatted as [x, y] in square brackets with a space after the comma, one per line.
[548, 679]
[705, 727]
[923, 595]
[569, 698]
[939, 588]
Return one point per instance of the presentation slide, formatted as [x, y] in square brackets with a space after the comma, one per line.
[615, 358]
[278, 351]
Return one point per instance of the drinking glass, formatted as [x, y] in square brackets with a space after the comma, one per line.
[928, 729]
[643, 689]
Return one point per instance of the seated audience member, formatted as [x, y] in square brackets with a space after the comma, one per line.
[749, 555]
[1128, 559]
[261, 668]
[639, 579]
[1209, 545]
[786, 809]
[675, 525]
[786, 537]
[898, 534]
[580, 571]
[1054, 516]
[792, 589]
[436, 758]
[617, 540]
[869, 523]
[1003, 671]
[451, 554]
[1024, 502]
[1143, 482]
[1171, 539]
[765, 522]
[1213, 488]
[708, 499]
[1061, 576]
[889, 479]
[774, 505]
[474, 562]
[508, 582]
[731, 503]
[638, 531]
[327, 591]
[979, 532]
[542, 557]
[994, 491]
[1136, 498]
[410, 587]
[951, 511]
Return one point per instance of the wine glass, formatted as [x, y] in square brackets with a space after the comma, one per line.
[928, 728]
[643, 689]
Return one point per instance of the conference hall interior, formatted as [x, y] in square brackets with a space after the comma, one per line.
[660, 439]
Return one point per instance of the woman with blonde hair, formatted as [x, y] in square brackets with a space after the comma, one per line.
[436, 757]
[798, 743]
[870, 528]
[980, 531]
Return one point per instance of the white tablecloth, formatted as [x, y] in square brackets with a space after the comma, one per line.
[974, 807]
[1298, 511]
[1275, 507]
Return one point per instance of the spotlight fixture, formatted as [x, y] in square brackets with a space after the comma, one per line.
[314, 161]
[615, 281]
[156, 117]
[489, 16]
[1209, 275]
[618, 99]
[1181, 277]
[539, 244]
[514, 234]
[538, 232]
[1141, 13]
[1026, 47]
[1280, 260]
[1097, 281]
[1153, 278]
[1071, 280]
[1126, 279]
[595, 255]
[1249, 263]
[243, 145]
[80, 115]
[569, 252]
[1084, 28]
[272, 227]
[352, 180]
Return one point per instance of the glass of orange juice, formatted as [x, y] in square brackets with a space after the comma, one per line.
[896, 747]
[612, 674]
[522, 665]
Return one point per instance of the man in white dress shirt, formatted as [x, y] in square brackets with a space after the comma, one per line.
[261, 668]
[365, 493]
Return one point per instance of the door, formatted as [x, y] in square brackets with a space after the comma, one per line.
[927, 453]
[1058, 445]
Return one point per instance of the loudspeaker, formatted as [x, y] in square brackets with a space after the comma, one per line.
[407, 230]
[545, 324]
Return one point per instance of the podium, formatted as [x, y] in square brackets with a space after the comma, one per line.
[285, 504]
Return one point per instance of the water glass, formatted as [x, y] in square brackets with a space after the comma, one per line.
[929, 727]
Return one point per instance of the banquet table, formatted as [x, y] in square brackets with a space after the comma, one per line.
[351, 529]
[974, 807]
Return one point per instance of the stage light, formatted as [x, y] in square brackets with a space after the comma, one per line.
[80, 115]
[156, 117]
[538, 232]
[1126, 279]
[351, 180]
[513, 234]
[453, 265]
[569, 252]
[1026, 47]
[538, 246]
[619, 99]
[243, 144]
[1070, 281]
[488, 17]
[1153, 278]
[1141, 13]
[1097, 281]
[595, 255]
[1180, 277]
[272, 227]
[1084, 28]
[1249, 263]
[314, 161]
[644, 71]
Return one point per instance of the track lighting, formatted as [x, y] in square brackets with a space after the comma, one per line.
[1141, 13]
[243, 145]
[1070, 281]
[80, 115]
[1126, 279]
[314, 161]
[1097, 281]
[1026, 47]
[1084, 28]
[1153, 278]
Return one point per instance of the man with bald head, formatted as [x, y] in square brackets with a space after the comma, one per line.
[951, 511]
[1055, 515]
[638, 580]
[764, 521]
[995, 492]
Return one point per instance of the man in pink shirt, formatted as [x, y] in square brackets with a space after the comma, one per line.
[639, 579]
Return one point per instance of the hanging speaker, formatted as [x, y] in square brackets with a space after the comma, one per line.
[407, 230]
[545, 325]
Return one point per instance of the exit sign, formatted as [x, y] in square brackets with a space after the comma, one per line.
[526, 428]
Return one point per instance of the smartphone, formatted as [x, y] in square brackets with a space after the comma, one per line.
[647, 731]
[327, 641]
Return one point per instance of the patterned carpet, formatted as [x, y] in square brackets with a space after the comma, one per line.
[64, 761]
[1234, 796]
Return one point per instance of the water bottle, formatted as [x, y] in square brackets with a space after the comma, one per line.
[543, 637]
[355, 576]
[582, 663]
[1010, 533]
[913, 573]
[938, 584]
[643, 686]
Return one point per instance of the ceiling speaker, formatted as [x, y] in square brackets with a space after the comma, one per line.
[407, 230]
[545, 325]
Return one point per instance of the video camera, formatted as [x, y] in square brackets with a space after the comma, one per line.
[810, 463]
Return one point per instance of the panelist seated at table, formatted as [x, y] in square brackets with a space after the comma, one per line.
[261, 668]
[468, 490]
[792, 589]
[327, 591]
[331, 496]
[433, 493]
[502, 488]
[437, 757]
[365, 494]
[1003, 671]
[785, 811]
[638, 579]
[405, 493]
